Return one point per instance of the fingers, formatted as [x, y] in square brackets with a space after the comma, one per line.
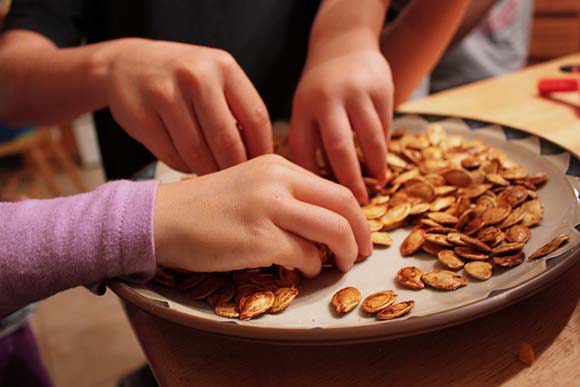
[136, 117]
[185, 133]
[370, 134]
[337, 139]
[318, 224]
[302, 142]
[383, 103]
[218, 126]
[251, 113]
[300, 254]
[331, 196]
[160, 144]
[312, 189]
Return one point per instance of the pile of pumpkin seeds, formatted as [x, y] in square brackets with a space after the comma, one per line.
[467, 204]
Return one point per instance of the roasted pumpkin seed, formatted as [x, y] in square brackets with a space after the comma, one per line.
[444, 280]
[396, 310]
[381, 238]
[255, 304]
[229, 310]
[346, 299]
[549, 247]
[450, 259]
[410, 277]
[508, 248]
[413, 242]
[518, 233]
[282, 298]
[471, 253]
[510, 260]
[479, 270]
[378, 301]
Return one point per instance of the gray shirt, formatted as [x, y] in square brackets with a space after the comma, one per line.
[498, 45]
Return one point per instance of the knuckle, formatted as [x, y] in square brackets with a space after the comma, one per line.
[272, 197]
[341, 227]
[276, 172]
[224, 59]
[324, 92]
[272, 158]
[376, 146]
[338, 146]
[160, 94]
[193, 77]
[259, 117]
[356, 88]
[346, 196]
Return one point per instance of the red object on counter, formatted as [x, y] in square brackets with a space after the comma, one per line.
[551, 85]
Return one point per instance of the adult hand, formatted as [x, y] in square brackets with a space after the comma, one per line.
[262, 212]
[192, 106]
[342, 92]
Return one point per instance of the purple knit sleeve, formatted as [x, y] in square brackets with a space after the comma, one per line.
[50, 245]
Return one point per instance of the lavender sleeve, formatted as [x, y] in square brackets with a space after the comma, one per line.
[50, 245]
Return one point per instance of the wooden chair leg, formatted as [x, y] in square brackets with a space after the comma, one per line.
[43, 167]
[68, 166]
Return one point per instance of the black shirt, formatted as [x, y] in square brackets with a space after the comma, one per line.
[268, 38]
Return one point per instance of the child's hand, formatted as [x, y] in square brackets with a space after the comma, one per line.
[340, 93]
[183, 102]
[262, 212]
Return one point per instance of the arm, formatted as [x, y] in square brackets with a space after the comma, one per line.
[416, 40]
[473, 16]
[56, 244]
[181, 101]
[42, 84]
[262, 212]
[345, 87]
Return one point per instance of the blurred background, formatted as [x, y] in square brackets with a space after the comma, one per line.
[86, 340]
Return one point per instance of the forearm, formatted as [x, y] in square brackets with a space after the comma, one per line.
[42, 84]
[340, 26]
[473, 16]
[51, 245]
[417, 39]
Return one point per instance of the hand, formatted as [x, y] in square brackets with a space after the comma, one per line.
[339, 94]
[262, 212]
[184, 103]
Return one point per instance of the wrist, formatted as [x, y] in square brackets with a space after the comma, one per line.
[340, 28]
[101, 63]
[326, 48]
[161, 231]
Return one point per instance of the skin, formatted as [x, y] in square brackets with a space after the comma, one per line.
[183, 102]
[187, 103]
[262, 212]
[413, 52]
[345, 88]
[475, 13]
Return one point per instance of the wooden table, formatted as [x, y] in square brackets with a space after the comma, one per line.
[481, 352]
